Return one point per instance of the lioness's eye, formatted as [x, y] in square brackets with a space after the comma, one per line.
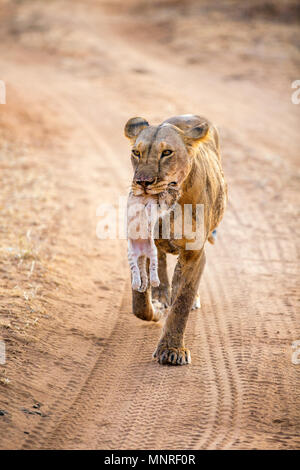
[136, 153]
[166, 153]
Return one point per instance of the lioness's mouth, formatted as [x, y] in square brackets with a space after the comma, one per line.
[157, 188]
[162, 189]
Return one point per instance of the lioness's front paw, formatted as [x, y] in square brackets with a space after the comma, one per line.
[172, 356]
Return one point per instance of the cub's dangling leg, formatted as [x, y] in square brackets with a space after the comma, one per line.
[143, 273]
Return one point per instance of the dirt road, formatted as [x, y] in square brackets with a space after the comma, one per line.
[78, 371]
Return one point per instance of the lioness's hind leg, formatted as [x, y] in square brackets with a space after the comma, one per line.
[197, 302]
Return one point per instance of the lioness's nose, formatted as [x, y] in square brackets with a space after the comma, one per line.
[145, 183]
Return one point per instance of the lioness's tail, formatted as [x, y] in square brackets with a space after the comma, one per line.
[212, 237]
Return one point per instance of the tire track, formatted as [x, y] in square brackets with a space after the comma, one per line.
[240, 391]
[225, 316]
[95, 392]
[76, 380]
[258, 356]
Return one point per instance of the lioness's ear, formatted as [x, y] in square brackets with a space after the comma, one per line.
[134, 126]
[197, 133]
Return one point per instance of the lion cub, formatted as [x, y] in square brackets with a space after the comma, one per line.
[141, 218]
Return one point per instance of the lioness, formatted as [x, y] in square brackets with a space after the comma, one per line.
[179, 161]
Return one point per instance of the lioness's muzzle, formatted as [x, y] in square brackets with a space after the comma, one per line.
[145, 181]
